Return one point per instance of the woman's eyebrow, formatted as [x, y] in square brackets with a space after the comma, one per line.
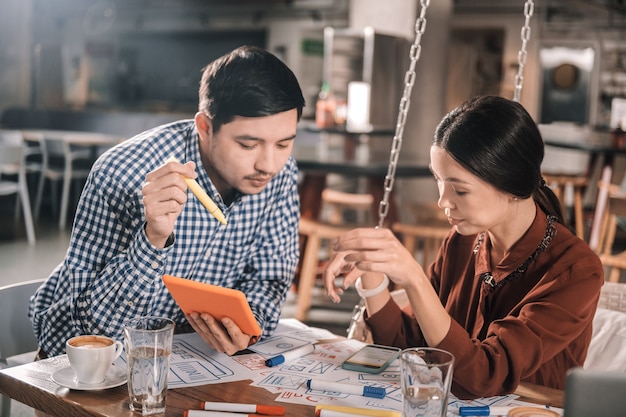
[453, 179]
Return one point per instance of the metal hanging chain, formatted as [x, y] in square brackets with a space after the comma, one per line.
[405, 102]
[529, 8]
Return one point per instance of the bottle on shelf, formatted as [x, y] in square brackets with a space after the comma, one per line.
[618, 122]
[617, 137]
[325, 108]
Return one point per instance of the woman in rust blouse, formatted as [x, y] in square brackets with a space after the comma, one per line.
[513, 292]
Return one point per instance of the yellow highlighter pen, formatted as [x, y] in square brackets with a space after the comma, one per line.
[202, 196]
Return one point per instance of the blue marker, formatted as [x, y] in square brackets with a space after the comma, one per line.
[364, 390]
[489, 411]
[290, 355]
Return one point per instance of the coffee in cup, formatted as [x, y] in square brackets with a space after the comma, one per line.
[91, 356]
[89, 341]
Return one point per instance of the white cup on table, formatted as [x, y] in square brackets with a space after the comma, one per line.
[91, 357]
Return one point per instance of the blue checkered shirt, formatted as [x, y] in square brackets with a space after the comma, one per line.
[111, 272]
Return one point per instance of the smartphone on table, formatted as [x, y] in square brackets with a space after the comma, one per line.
[372, 359]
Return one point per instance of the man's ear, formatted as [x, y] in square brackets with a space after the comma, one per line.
[203, 124]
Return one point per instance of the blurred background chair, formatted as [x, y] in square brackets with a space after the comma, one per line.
[33, 159]
[421, 240]
[568, 171]
[340, 212]
[13, 181]
[340, 207]
[613, 256]
[614, 266]
[560, 183]
[18, 343]
[33, 155]
[313, 260]
[66, 164]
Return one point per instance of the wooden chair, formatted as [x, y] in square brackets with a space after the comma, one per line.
[316, 234]
[422, 240]
[614, 264]
[559, 183]
[615, 207]
[428, 213]
[336, 203]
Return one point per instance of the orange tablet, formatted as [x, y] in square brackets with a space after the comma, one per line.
[218, 301]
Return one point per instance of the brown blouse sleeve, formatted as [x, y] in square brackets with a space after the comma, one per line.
[391, 326]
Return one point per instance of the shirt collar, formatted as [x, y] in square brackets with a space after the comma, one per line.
[519, 252]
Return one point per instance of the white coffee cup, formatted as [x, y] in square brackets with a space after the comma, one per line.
[91, 356]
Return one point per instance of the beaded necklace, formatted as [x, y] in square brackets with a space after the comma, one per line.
[545, 242]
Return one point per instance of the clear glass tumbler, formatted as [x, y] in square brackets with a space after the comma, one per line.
[148, 345]
[426, 375]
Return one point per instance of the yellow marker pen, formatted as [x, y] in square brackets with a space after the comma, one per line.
[357, 411]
[202, 196]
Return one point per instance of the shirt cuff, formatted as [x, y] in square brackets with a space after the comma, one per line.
[148, 259]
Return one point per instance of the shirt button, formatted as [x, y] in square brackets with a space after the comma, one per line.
[155, 265]
[208, 253]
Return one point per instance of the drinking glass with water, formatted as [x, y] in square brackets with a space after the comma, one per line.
[426, 378]
[148, 345]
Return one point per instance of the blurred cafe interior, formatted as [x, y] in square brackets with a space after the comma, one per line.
[79, 76]
[118, 67]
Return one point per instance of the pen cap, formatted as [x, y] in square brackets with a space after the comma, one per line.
[374, 392]
[474, 411]
[270, 410]
[276, 360]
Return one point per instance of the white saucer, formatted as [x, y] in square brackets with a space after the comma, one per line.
[67, 378]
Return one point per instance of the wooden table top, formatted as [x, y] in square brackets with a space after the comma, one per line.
[31, 384]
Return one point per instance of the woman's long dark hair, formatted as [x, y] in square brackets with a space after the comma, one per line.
[497, 140]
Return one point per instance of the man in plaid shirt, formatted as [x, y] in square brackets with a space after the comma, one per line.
[136, 219]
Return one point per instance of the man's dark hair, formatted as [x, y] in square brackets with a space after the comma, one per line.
[248, 82]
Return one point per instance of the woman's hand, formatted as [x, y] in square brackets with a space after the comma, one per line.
[378, 250]
[369, 250]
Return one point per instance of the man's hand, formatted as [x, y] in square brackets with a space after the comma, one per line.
[224, 336]
[164, 195]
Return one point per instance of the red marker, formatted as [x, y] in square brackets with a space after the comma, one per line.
[207, 413]
[268, 410]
